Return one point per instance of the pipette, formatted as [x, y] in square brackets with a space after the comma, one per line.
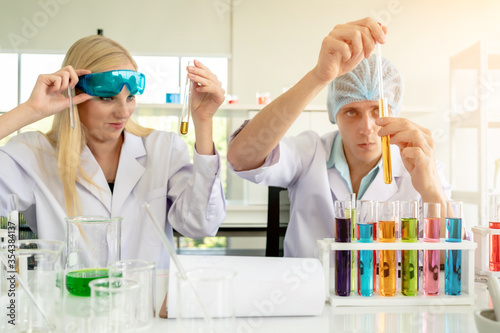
[386, 148]
[71, 109]
[186, 106]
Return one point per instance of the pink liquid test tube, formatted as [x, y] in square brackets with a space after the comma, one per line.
[432, 219]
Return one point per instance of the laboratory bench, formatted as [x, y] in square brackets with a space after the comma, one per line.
[430, 318]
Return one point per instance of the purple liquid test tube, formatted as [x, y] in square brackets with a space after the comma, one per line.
[342, 258]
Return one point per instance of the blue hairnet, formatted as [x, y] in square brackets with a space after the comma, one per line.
[361, 84]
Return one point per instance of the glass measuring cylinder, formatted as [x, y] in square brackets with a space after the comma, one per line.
[494, 223]
[409, 258]
[453, 258]
[389, 212]
[432, 220]
[92, 243]
[343, 258]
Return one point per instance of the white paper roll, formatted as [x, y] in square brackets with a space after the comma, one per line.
[264, 286]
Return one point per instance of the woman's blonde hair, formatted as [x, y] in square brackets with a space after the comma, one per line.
[97, 54]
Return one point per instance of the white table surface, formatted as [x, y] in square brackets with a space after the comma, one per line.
[432, 318]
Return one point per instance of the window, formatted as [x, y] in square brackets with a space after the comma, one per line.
[9, 82]
[162, 76]
[218, 66]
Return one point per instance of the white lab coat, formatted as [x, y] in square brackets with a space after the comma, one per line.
[155, 168]
[299, 164]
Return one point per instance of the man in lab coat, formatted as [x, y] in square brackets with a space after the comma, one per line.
[319, 170]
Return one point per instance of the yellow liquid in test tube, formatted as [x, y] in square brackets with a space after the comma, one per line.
[387, 262]
[386, 149]
[184, 127]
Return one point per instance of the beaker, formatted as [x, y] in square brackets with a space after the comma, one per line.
[144, 273]
[33, 302]
[205, 301]
[92, 243]
[114, 305]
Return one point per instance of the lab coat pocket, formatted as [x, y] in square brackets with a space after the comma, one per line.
[157, 200]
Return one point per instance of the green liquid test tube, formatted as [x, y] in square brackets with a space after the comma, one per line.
[409, 258]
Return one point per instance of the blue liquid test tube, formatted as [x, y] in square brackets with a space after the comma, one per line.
[365, 261]
[453, 258]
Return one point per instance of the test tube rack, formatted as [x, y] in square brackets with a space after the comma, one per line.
[328, 246]
[481, 237]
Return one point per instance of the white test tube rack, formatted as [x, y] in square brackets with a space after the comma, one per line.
[328, 246]
[481, 237]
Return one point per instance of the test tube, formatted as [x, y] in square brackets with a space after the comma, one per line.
[453, 258]
[186, 106]
[366, 212]
[432, 220]
[343, 258]
[352, 211]
[494, 223]
[388, 214]
[71, 109]
[383, 111]
[375, 237]
[409, 258]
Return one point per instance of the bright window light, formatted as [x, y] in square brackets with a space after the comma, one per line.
[162, 77]
[9, 82]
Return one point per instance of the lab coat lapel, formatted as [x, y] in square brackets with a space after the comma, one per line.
[129, 171]
[379, 190]
[100, 188]
[338, 185]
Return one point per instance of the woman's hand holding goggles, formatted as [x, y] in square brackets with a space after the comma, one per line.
[47, 99]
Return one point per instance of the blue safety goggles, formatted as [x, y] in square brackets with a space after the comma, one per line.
[109, 84]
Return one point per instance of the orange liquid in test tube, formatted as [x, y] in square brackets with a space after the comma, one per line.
[387, 262]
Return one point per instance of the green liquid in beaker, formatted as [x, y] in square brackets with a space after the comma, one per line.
[77, 282]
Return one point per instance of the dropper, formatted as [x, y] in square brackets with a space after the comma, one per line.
[386, 148]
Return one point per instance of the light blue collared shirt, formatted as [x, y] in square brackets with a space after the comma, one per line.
[337, 159]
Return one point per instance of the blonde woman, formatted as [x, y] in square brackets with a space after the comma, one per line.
[109, 165]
